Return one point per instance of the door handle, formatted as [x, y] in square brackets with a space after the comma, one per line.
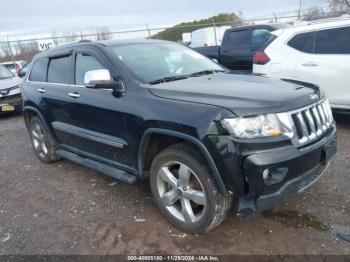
[74, 95]
[310, 64]
[41, 90]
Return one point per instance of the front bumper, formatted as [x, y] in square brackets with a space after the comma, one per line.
[242, 165]
[305, 167]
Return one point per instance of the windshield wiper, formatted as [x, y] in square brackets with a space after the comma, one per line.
[205, 72]
[167, 79]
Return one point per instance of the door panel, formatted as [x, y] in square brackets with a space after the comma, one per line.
[96, 117]
[330, 72]
[329, 64]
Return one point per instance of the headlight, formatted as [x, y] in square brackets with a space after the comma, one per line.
[252, 127]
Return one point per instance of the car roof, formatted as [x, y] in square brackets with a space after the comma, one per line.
[272, 26]
[315, 25]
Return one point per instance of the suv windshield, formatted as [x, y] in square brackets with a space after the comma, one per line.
[4, 73]
[163, 61]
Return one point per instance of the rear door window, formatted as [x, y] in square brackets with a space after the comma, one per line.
[39, 69]
[333, 41]
[59, 70]
[304, 42]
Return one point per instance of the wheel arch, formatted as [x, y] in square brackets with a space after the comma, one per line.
[29, 112]
[180, 137]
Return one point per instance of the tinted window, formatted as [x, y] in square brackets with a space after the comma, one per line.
[243, 37]
[84, 63]
[333, 41]
[38, 72]
[260, 36]
[59, 70]
[303, 42]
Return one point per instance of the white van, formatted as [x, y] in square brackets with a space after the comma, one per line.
[205, 37]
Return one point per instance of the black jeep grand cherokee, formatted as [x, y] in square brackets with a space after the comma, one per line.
[158, 110]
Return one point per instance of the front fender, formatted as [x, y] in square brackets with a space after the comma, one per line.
[190, 139]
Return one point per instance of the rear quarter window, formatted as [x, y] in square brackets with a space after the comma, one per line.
[304, 42]
[38, 72]
[260, 37]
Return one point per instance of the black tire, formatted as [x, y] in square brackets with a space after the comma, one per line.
[49, 155]
[216, 205]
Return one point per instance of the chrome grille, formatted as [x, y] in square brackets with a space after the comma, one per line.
[308, 123]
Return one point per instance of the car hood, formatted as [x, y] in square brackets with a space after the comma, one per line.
[242, 94]
[10, 82]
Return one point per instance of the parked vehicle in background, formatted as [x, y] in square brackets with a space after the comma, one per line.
[10, 92]
[318, 53]
[159, 110]
[14, 67]
[239, 45]
[24, 70]
[206, 37]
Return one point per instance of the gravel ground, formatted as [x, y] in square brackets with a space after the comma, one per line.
[66, 209]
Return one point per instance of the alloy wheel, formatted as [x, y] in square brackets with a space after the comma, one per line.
[181, 192]
[39, 142]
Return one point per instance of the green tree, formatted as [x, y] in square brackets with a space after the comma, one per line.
[175, 33]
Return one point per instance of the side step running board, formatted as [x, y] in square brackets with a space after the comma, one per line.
[97, 166]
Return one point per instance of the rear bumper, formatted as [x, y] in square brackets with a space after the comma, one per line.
[304, 169]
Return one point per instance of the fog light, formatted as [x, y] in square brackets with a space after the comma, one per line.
[274, 175]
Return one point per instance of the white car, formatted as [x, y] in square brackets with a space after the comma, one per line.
[15, 67]
[317, 52]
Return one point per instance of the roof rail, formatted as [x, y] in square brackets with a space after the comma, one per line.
[327, 20]
[84, 41]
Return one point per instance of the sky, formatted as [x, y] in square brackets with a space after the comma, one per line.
[30, 17]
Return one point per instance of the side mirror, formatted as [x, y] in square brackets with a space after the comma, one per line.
[98, 79]
[102, 78]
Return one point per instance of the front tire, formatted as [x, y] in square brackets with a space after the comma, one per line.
[184, 190]
[43, 143]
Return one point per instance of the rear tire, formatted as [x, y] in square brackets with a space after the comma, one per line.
[185, 191]
[43, 144]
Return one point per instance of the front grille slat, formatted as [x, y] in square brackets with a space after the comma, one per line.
[311, 122]
[318, 120]
[303, 128]
[328, 118]
[323, 117]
